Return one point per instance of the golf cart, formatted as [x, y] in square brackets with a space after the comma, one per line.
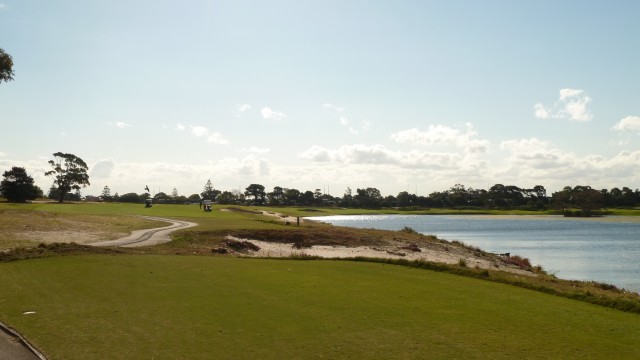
[207, 205]
[147, 203]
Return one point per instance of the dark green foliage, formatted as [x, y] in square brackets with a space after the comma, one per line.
[17, 186]
[6, 67]
[69, 172]
[256, 192]
[130, 198]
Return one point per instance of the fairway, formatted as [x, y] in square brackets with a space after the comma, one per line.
[167, 307]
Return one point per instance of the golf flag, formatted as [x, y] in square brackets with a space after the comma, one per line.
[146, 187]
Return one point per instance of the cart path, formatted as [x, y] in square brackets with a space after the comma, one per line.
[14, 346]
[148, 237]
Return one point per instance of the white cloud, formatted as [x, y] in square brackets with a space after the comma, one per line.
[102, 169]
[569, 93]
[243, 107]
[344, 121]
[541, 112]
[257, 150]
[628, 124]
[577, 110]
[199, 131]
[572, 104]
[3, 154]
[217, 138]
[202, 132]
[333, 107]
[248, 168]
[270, 114]
[535, 153]
[119, 124]
[538, 161]
[378, 155]
[180, 127]
[443, 135]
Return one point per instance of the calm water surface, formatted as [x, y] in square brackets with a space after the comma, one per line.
[581, 249]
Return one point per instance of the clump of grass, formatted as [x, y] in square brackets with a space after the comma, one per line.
[518, 261]
[409, 230]
[55, 249]
[241, 245]
[462, 262]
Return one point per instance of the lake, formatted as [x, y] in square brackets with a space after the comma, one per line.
[603, 249]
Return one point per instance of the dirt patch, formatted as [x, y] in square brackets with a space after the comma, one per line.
[24, 228]
[66, 236]
[56, 249]
[337, 242]
[247, 211]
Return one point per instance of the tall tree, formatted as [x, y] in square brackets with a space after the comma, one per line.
[69, 173]
[17, 185]
[292, 196]
[276, 197]
[256, 191]
[106, 193]
[209, 193]
[6, 67]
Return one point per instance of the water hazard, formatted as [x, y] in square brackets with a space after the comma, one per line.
[582, 249]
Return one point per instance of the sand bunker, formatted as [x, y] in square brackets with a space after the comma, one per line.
[268, 249]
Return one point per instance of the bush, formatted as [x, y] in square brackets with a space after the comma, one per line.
[409, 230]
[518, 261]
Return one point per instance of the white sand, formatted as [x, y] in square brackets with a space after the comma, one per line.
[268, 249]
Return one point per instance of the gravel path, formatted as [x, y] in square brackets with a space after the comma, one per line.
[147, 237]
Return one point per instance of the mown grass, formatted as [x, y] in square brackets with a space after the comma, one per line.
[212, 306]
[168, 307]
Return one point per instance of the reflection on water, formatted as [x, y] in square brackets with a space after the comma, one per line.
[599, 250]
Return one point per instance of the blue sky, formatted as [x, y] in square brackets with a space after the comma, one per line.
[398, 95]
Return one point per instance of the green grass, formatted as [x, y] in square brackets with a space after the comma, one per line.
[142, 306]
[167, 307]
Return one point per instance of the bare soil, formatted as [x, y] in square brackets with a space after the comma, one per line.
[29, 228]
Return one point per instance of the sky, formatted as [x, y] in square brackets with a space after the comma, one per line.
[398, 95]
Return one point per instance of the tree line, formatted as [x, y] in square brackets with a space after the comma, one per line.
[579, 200]
[69, 173]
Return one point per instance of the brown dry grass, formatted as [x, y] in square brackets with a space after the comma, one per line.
[20, 228]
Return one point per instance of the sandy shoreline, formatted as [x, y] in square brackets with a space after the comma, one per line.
[452, 256]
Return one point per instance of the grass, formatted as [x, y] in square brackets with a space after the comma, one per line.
[165, 307]
[152, 306]
[26, 226]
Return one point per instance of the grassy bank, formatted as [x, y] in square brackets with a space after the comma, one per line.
[167, 307]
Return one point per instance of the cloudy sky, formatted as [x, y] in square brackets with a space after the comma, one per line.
[398, 95]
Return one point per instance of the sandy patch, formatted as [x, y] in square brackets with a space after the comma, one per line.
[66, 236]
[268, 249]
[284, 218]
